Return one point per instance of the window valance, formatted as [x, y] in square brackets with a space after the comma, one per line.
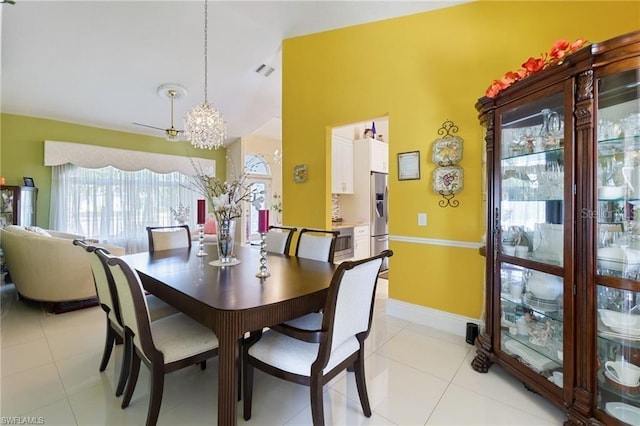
[93, 157]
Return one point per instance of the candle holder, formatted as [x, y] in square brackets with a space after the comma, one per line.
[263, 273]
[201, 251]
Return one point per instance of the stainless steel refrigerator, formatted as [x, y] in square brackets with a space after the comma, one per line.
[379, 215]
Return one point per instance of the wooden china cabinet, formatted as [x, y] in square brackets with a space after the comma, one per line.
[17, 205]
[563, 245]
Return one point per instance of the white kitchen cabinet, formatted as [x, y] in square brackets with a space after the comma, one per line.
[360, 242]
[379, 156]
[370, 156]
[341, 165]
[375, 152]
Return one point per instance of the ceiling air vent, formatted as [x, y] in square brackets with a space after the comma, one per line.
[265, 70]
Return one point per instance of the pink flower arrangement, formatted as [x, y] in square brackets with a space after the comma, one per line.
[559, 51]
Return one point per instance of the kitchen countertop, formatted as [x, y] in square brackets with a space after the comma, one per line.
[346, 224]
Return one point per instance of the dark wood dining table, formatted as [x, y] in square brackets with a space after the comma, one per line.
[231, 300]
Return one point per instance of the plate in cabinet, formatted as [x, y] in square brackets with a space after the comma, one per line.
[536, 360]
[629, 414]
[541, 305]
[607, 332]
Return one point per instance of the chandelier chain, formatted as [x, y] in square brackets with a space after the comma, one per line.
[206, 37]
[204, 126]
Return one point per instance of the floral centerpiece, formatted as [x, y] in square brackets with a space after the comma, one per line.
[225, 199]
[181, 213]
[559, 51]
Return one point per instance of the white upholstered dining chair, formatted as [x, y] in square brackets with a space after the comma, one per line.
[107, 299]
[168, 237]
[317, 244]
[313, 356]
[279, 238]
[164, 345]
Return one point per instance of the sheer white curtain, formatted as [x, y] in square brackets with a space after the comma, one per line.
[116, 206]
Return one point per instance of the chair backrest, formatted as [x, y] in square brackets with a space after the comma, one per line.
[279, 238]
[348, 309]
[168, 237]
[103, 280]
[317, 244]
[133, 305]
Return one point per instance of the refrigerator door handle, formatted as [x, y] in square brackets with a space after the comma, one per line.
[380, 209]
[386, 204]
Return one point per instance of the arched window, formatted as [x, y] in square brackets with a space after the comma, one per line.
[255, 164]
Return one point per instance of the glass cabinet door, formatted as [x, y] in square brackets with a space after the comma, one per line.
[532, 190]
[618, 176]
[618, 247]
[7, 206]
[531, 322]
[618, 353]
[532, 156]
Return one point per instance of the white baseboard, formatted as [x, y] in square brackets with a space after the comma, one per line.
[434, 318]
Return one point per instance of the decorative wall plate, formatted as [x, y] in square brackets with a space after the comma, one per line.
[448, 180]
[447, 151]
[300, 173]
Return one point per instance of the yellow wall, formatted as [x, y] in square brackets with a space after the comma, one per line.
[22, 151]
[421, 70]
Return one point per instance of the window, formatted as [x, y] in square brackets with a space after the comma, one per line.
[116, 206]
[255, 164]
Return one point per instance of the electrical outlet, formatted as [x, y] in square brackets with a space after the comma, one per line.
[422, 219]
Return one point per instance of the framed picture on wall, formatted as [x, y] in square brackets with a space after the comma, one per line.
[409, 165]
[29, 182]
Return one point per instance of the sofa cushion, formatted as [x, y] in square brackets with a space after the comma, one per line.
[210, 226]
[38, 230]
[19, 230]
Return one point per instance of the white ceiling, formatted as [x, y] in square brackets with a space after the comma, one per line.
[99, 63]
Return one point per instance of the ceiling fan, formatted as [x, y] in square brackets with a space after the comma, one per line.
[172, 92]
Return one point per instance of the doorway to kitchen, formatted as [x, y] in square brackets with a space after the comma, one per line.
[359, 184]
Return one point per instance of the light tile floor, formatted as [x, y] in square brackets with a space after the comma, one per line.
[416, 375]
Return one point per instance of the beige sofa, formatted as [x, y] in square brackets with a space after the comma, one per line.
[46, 266]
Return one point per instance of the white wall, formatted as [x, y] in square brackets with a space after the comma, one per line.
[255, 144]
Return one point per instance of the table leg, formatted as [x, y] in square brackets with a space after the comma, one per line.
[227, 379]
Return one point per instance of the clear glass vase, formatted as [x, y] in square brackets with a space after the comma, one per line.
[551, 130]
[226, 229]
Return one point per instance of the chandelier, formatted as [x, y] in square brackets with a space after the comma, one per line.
[204, 126]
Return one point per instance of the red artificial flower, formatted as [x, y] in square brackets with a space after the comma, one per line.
[560, 45]
[494, 89]
[578, 44]
[557, 55]
[522, 73]
[533, 65]
[510, 77]
[559, 51]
